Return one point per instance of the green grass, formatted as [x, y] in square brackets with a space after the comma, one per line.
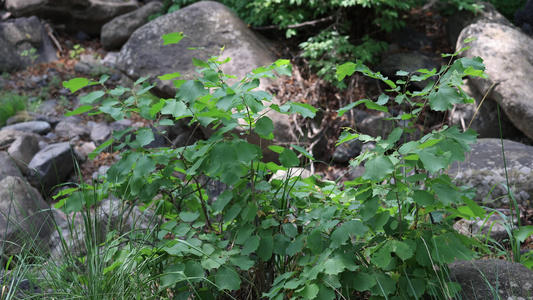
[10, 104]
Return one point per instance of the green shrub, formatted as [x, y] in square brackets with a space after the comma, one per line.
[388, 233]
[10, 104]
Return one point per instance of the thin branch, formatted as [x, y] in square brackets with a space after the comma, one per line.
[299, 25]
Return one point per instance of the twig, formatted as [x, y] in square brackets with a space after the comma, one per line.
[299, 25]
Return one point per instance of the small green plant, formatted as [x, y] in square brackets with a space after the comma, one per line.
[32, 54]
[76, 51]
[387, 233]
[10, 104]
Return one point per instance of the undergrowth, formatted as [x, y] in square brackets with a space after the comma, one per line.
[385, 235]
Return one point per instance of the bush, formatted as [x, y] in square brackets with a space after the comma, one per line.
[388, 233]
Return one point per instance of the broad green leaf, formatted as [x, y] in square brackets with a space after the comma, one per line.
[289, 159]
[346, 136]
[175, 108]
[342, 111]
[103, 78]
[378, 168]
[250, 245]
[306, 110]
[423, 198]
[191, 90]
[227, 278]
[523, 233]
[443, 98]
[333, 266]
[92, 97]
[145, 136]
[363, 281]
[382, 258]
[303, 151]
[402, 249]
[144, 166]
[325, 292]
[141, 80]
[199, 63]
[290, 230]
[243, 262]
[346, 69]
[383, 99]
[446, 193]
[80, 110]
[116, 113]
[296, 246]
[343, 233]
[434, 159]
[266, 246]
[187, 216]
[315, 242]
[76, 84]
[264, 126]
[415, 287]
[374, 106]
[172, 275]
[384, 286]
[156, 108]
[310, 291]
[172, 38]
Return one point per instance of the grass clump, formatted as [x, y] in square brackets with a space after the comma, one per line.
[10, 104]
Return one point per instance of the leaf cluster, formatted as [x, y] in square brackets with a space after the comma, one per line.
[387, 233]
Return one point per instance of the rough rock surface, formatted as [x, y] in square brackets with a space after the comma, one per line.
[85, 15]
[38, 127]
[23, 149]
[508, 57]
[485, 118]
[26, 221]
[51, 166]
[211, 25]
[8, 167]
[484, 169]
[23, 34]
[479, 279]
[116, 32]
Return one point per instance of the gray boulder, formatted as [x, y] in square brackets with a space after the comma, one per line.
[508, 56]
[211, 25]
[8, 166]
[24, 34]
[78, 15]
[38, 127]
[492, 279]
[26, 221]
[52, 165]
[486, 122]
[483, 168]
[458, 21]
[116, 32]
[23, 149]
[73, 127]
